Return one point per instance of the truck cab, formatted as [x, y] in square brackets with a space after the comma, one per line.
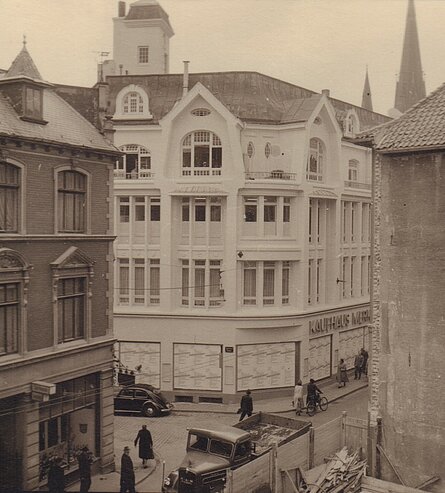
[210, 452]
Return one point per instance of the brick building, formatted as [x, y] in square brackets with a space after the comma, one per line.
[56, 335]
[408, 336]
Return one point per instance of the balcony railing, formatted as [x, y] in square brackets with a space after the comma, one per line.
[143, 174]
[271, 175]
[201, 172]
[358, 185]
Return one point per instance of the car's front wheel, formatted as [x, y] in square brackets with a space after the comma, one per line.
[149, 410]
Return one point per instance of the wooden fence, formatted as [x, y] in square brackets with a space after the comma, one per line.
[277, 470]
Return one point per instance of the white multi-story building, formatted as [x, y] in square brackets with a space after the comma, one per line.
[242, 215]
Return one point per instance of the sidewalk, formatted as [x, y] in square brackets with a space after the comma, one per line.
[111, 482]
[275, 404]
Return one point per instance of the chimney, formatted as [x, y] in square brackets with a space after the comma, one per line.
[185, 80]
[121, 9]
[325, 92]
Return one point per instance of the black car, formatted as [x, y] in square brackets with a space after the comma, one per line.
[141, 398]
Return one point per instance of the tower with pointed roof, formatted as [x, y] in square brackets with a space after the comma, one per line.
[141, 41]
[366, 97]
[410, 87]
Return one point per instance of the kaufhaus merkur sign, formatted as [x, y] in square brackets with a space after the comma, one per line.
[341, 321]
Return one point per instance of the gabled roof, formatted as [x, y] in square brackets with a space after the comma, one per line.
[65, 125]
[250, 96]
[422, 126]
[23, 66]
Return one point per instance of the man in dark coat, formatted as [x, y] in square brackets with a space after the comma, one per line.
[127, 473]
[246, 405]
[84, 459]
[365, 361]
[56, 477]
[145, 445]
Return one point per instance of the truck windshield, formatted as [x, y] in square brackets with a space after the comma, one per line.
[242, 450]
[221, 448]
[198, 442]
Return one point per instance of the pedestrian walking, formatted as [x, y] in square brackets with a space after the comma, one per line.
[298, 397]
[127, 473]
[358, 365]
[246, 405]
[56, 477]
[145, 445]
[342, 374]
[365, 361]
[84, 459]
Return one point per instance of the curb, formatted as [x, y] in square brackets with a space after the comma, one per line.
[223, 411]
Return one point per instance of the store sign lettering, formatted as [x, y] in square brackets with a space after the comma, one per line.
[328, 324]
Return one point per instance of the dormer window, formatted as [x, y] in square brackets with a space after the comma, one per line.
[352, 125]
[33, 103]
[132, 103]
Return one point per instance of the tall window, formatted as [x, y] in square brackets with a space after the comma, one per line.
[33, 102]
[143, 54]
[205, 290]
[9, 317]
[285, 277]
[9, 197]
[155, 208]
[315, 163]
[205, 209]
[249, 282]
[286, 209]
[124, 209]
[270, 209]
[71, 308]
[250, 209]
[269, 283]
[201, 154]
[72, 197]
[124, 280]
[353, 170]
[133, 103]
[134, 164]
[155, 281]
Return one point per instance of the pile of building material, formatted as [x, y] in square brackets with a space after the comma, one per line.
[342, 473]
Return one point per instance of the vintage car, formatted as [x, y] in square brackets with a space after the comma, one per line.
[210, 452]
[141, 398]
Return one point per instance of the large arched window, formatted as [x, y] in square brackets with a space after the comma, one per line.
[71, 201]
[315, 163]
[9, 197]
[135, 163]
[201, 154]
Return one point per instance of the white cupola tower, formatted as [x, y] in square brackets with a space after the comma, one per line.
[141, 40]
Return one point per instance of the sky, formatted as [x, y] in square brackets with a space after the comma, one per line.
[315, 44]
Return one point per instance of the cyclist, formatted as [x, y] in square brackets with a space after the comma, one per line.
[313, 393]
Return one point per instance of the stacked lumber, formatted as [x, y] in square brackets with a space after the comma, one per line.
[342, 474]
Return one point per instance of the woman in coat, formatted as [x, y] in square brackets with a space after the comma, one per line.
[342, 374]
[145, 445]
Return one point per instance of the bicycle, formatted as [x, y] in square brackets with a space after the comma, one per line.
[322, 403]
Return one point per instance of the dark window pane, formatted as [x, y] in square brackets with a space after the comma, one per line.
[155, 212]
[186, 212]
[202, 156]
[215, 213]
[200, 212]
[217, 157]
[269, 213]
[186, 158]
[53, 432]
[250, 213]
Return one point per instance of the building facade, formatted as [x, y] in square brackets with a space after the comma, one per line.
[56, 253]
[242, 215]
[407, 386]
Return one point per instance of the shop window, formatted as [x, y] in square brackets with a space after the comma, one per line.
[9, 197]
[72, 201]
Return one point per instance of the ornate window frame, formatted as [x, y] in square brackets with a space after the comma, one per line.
[87, 174]
[143, 164]
[15, 269]
[73, 263]
[123, 93]
[193, 141]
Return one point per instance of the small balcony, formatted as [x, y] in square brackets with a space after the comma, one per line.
[201, 172]
[357, 185]
[143, 174]
[276, 174]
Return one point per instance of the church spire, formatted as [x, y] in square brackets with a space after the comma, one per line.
[410, 86]
[366, 97]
